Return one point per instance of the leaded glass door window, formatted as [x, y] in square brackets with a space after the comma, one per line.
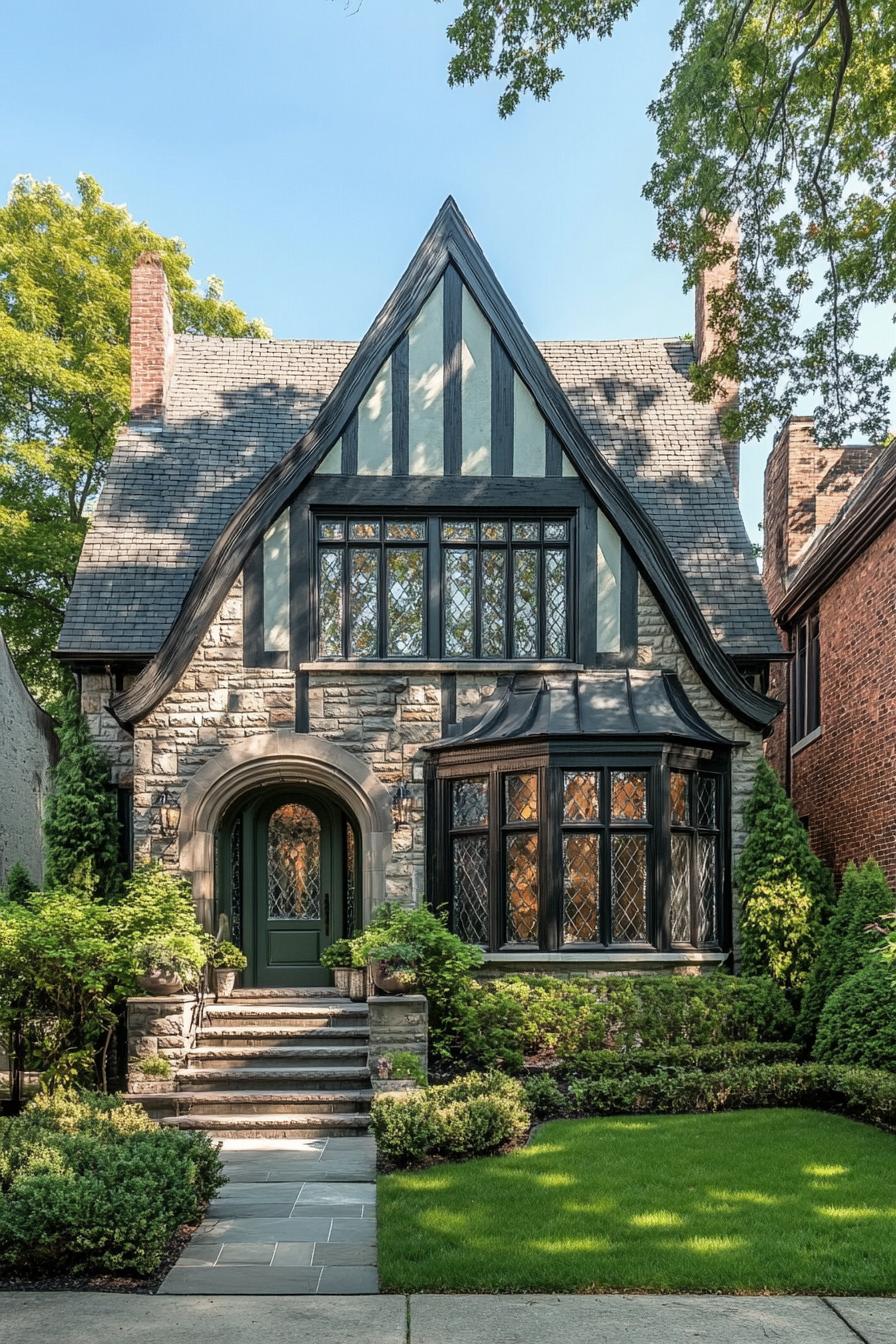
[294, 882]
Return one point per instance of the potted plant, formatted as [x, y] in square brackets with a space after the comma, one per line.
[226, 960]
[393, 968]
[169, 963]
[398, 1072]
[338, 959]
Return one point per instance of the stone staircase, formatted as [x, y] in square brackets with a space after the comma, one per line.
[286, 1063]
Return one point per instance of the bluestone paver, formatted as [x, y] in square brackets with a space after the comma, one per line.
[295, 1217]
[873, 1318]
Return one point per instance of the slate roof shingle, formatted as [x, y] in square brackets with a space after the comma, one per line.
[235, 406]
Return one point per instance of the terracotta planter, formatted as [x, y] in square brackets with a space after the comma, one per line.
[342, 979]
[357, 984]
[225, 979]
[160, 982]
[388, 981]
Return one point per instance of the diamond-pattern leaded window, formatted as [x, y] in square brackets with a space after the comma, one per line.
[628, 875]
[521, 887]
[581, 886]
[503, 587]
[599, 821]
[293, 866]
[695, 857]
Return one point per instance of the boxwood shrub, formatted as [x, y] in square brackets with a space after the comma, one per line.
[478, 1113]
[90, 1185]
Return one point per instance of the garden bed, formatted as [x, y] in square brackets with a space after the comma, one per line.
[780, 1201]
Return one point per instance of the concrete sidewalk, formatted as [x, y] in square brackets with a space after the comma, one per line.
[84, 1318]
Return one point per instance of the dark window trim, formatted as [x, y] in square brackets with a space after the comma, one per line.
[805, 681]
[435, 548]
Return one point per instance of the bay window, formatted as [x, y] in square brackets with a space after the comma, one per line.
[542, 847]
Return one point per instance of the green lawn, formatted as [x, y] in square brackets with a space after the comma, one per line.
[748, 1201]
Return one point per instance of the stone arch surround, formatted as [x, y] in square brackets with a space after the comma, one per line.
[289, 758]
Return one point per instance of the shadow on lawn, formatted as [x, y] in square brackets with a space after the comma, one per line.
[754, 1200]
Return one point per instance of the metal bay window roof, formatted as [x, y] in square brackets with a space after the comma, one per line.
[621, 703]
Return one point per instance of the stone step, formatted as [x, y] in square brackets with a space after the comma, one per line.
[254, 1056]
[250, 1035]
[299, 992]
[273, 1126]
[309, 1101]
[235, 1079]
[300, 1016]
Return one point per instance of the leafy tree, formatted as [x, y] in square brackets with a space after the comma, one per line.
[64, 388]
[81, 824]
[785, 890]
[847, 940]
[781, 112]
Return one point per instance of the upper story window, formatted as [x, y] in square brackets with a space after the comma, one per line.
[458, 587]
[805, 679]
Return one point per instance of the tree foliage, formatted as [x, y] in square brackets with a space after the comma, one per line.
[781, 111]
[81, 823]
[849, 938]
[64, 388]
[785, 890]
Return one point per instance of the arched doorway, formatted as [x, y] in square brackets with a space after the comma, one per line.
[298, 765]
[287, 881]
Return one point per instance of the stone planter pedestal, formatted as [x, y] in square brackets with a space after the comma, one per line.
[397, 1022]
[158, 1027]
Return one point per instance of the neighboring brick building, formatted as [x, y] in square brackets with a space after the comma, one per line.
[442, 615]
[830, 576]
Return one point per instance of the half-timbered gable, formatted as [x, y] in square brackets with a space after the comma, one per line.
[444, 616]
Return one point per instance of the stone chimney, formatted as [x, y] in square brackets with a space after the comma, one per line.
[152, 338]
[706, 338]
[805, 486]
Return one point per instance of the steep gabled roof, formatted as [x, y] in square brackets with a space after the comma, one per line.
[621, 410]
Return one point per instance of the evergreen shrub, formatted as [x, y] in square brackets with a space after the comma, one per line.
[847, 941]
[858, 1022]
[786, 893]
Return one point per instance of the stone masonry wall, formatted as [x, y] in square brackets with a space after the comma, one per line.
[27, 753]
[387, 719]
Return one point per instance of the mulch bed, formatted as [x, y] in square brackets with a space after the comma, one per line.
[102, 1283]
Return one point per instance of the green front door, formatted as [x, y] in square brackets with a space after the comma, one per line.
[295, 889]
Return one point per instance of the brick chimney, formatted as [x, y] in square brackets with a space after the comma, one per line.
[152, 338]
[706, 338]
[805, 486]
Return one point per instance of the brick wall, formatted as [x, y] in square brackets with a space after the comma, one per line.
[845, 781]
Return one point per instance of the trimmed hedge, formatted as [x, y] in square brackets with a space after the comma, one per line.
[503, 1022]
[481, 1113]
[478, 1113]
[90, 1185]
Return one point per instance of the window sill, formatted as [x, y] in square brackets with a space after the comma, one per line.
[805, 741]
[628, 957]
[406, 665]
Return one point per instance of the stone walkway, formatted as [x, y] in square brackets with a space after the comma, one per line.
[76, 1318]
[296, 1216]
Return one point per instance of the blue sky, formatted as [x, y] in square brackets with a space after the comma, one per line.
[302, 147]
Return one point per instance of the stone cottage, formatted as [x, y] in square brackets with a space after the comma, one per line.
[442, 615]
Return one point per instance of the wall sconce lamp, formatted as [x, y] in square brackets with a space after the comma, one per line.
[168, 809]
[401, 805]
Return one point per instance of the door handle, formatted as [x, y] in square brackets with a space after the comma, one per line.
[327, 914]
